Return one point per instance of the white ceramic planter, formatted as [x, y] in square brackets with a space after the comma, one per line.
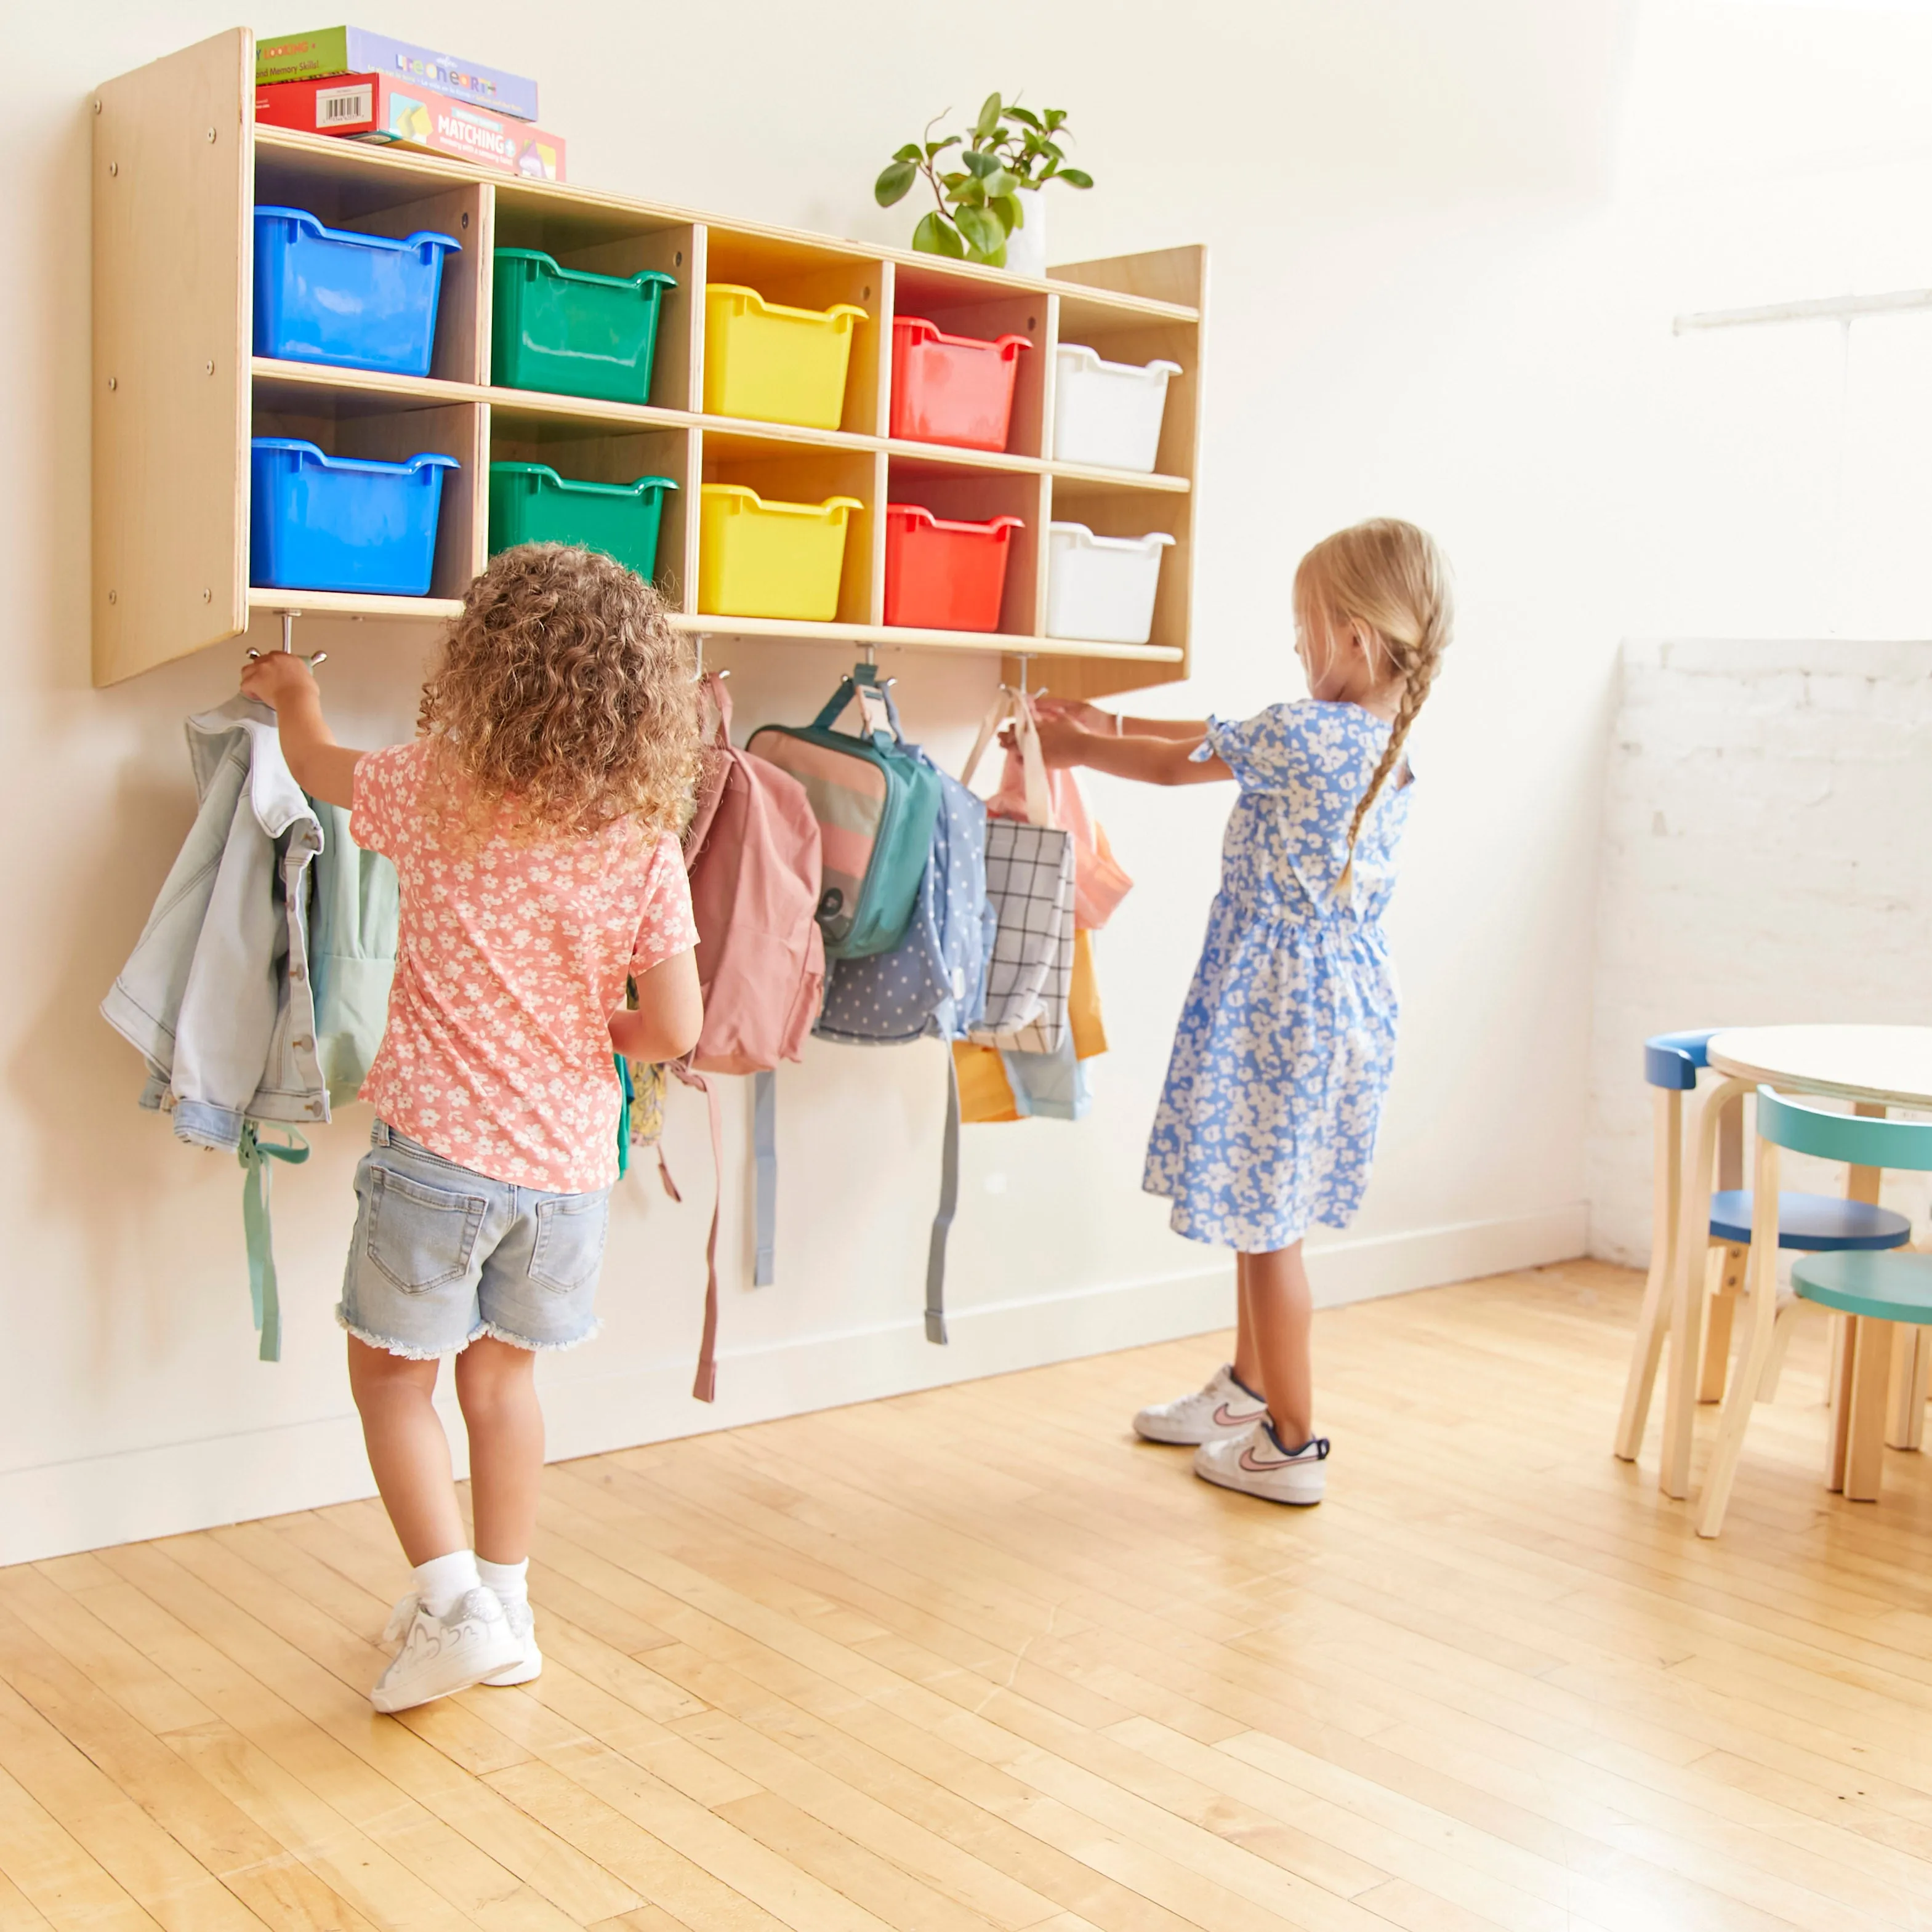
[1026, 247]
[1101, 588]
[1107, 415]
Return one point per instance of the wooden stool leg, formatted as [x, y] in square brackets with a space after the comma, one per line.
[1725, 1274]
[1865, 1439]
[1687, 1319]
[1653, 1320]
[1760, 1344]
[1905, 1407]
[1838, 1393]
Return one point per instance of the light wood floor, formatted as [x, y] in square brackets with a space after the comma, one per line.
[976, 1659]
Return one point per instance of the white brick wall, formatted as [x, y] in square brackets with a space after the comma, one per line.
[1766, 857]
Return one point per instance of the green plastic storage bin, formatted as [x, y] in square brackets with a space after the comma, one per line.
[570, 333]
[529, 502]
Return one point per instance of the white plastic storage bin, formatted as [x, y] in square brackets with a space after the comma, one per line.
[1107, 414]
[1101, 588]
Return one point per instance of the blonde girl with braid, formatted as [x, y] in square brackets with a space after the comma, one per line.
[1267, 1125]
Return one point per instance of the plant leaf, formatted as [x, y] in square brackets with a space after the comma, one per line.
[1076, 178]
[935, 235]
[910, 152]
[1055, 117]
[1001, 182]
[977, 164]
[894, 182]
[983, 230]
[1011, 213]
[988, 122]
[954, 182]
[1024, 115]
[940, 147]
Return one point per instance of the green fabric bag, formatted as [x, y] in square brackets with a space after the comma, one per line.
[354, 911]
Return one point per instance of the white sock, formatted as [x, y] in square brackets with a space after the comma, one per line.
[444, 1581]
[510, 1581]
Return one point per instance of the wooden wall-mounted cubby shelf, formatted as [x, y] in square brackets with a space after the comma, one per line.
[179, 166]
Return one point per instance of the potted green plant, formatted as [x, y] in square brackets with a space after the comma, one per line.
[987, 204]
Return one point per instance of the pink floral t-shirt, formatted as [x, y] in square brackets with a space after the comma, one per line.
[511, 959]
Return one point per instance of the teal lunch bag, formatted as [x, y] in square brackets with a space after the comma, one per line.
[876, 802]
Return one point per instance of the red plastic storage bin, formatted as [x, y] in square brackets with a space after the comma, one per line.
[942, 575]
[952, 388]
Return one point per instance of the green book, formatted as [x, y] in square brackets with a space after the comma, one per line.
[326, 51]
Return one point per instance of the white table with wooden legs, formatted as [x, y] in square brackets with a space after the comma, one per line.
[1878, 1393]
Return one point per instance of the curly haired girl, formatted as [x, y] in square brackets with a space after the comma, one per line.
[1268, 1122]
[533, 824]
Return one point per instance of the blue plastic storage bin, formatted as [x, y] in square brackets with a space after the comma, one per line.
[342, 522]
[359, 301]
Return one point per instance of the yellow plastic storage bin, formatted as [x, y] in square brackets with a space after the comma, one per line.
[773, 364]
[761, 560]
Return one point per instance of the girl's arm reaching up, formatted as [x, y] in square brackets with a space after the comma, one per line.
[323, 769]
[1115, 725]
[1150, 760]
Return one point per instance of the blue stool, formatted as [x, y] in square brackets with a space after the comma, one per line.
[1879, 1292]
[1811, 1223]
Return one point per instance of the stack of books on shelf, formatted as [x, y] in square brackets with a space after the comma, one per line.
[348, 81]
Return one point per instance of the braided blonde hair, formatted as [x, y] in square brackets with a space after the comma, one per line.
[1389, 577]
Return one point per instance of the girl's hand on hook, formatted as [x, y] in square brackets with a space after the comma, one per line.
[1088, 717]
[274, 677]
[1063, 742]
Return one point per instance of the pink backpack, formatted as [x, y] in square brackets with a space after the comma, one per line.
[752, 853]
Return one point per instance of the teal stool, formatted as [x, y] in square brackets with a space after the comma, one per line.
[1874, 1289]
[1814, 1222]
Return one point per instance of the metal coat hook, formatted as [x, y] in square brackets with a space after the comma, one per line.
[311, 658]
[698, 678]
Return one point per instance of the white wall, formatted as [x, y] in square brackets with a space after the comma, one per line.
[1417, 308]
[1759, 859]
[1759, 868]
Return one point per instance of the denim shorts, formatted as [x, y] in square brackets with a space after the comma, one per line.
[442, 1254]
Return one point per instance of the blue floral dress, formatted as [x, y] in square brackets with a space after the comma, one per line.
[1267, 1125]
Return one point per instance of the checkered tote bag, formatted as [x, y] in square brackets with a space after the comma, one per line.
[1030, 871]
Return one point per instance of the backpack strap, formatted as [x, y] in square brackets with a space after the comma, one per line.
[765, 1191]
[949, 1205]
[863, 688]
[704, 1387]
[258, 1228]
[1001, 710]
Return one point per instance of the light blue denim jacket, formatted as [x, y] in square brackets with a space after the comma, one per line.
[218, 995]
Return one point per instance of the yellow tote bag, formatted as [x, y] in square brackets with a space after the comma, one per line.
[985, 1094]
[1083, 1001]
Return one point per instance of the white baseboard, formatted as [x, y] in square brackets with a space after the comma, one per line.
[92, 1502]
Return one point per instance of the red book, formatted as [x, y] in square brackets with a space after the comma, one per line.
[372, 107]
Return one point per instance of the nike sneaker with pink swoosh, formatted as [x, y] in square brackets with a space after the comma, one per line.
[1223, 1409]
[1258, 1464]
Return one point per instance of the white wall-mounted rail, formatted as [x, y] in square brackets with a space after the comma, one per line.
[1824, 308]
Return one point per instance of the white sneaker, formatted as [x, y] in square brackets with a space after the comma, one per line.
[1258, 1466]
[440, 1655]
[1223, 1409]
[523, 1622]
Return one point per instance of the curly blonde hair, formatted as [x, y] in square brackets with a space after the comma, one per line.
[1390, 576]
[563, 694]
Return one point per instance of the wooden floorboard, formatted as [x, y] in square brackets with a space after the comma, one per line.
[976, 1661]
